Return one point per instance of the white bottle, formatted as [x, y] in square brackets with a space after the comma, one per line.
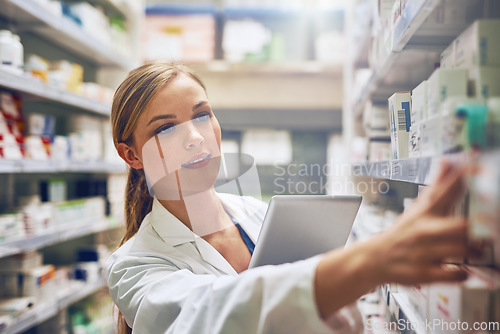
[18, 48]
[6, 50]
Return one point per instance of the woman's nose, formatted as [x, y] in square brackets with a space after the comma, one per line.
[193, 137]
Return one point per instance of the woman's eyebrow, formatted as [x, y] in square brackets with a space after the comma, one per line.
[199, 105]
[169, 116]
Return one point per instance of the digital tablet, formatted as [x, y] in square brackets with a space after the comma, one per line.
[297, 227]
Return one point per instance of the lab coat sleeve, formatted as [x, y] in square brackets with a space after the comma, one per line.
[163, 299]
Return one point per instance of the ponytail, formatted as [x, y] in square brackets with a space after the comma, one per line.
[138, 202]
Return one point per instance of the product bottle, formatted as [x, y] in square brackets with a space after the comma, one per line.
[18, 60]
[6, 50]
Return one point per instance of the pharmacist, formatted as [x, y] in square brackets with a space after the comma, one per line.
[182, 265]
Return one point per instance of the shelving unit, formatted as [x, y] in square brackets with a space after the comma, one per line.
[67, 39]
[34, 166]
[415, 48]
[288, 68]
[417, 170]
[33, 88]
[31, 16]
[24, 244]
[403, 313]
[416, 42]
[49, 308]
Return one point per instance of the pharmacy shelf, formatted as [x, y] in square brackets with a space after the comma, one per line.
[32, 16]
[11, 247]
[414, 170]
[47, 309]
[33, 87]
[40, 166]
[112, 6]
[406, 316]
[285, 68]
[38, 314]
[416, 48]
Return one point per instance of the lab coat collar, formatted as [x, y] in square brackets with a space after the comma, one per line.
[171, 230]
[174, 233]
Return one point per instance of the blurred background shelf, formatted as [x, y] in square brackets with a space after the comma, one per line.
[414, 170]
[36, 166]
[284, 68]
[36, 89]
[29, 15]
[11, 247]
[49, 308]
[415, 47]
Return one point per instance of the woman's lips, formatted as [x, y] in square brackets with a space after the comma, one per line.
[197, 161]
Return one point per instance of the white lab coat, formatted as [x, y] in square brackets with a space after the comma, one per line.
[165, 279]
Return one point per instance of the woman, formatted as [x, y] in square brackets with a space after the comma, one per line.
[182, 264]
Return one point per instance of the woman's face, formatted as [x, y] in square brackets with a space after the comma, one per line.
[177, 140]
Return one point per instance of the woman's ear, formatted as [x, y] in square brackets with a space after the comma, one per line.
[129, 155]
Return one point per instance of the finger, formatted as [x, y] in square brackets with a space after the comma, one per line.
[444, 229]
[446, 192]
[439, 252]
[444, 168]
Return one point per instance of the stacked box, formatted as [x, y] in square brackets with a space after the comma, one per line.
[478, 45]
[178, 33]
[467, 302]
[484, 82]
[400, 118]
[484, 205]
[419, 103]
[444, 83]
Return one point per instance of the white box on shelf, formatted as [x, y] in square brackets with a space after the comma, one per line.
[376, 121]
[419, 103]
[484, 208]
[21, 262]
[467, 302]
[400, 118]
[414, 141]
[478, 45]
[430, 137]
[484, 82]
[454, 137]
[442, 84]
[379, 150]
[447, 58]
[493, 131]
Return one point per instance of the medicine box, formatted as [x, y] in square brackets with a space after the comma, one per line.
[376, 121]
[478, 45]
[179, 33]
[430, 137]
[442, 84]
[484, 205]
[493, 128]
[419, 103]
[456, 113]
[467, 302]
[414, 141]
[22, 262]
[484, 82]
[400, 119]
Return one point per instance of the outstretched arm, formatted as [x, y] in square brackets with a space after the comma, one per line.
[411, 252]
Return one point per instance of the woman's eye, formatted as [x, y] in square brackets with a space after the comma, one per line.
[165, 129]
[202, 118]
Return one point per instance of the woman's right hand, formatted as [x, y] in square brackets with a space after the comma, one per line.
[416, 248]
[413, 251]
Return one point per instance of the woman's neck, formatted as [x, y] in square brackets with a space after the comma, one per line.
[202, 213]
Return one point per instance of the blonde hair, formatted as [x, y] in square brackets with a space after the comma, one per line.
[130, 100]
